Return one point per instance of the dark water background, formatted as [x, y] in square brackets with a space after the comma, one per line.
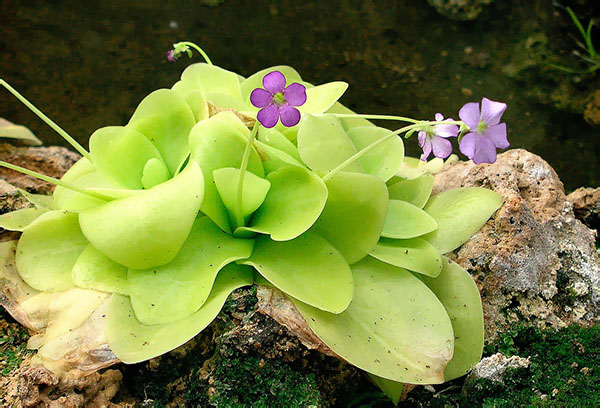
[88, 64]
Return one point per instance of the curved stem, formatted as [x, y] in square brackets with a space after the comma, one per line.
[376, 143]
[53, 180]
[370, 116]
[200, 50]
[46, 119]
[239, 215]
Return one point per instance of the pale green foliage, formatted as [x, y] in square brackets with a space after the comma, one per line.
[289, 265]
[19, 219]
[395, 327]
[169, 231]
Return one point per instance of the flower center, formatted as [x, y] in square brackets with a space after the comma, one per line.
[279, 98]
[482, 127]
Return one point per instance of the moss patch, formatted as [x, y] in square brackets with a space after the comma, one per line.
[13, 342]
[249, 381]
[563, 372]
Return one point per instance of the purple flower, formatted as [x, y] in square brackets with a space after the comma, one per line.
[171, 56]
[435, 139]
[486, 134]
[277, 101]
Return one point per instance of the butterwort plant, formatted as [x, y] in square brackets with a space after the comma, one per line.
[223, 181]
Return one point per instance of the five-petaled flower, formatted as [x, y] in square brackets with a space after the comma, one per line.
[486, 132]
[435, 139]
[277, 101]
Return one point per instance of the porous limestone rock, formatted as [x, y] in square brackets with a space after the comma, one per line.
[36, 386]
[533, 261]
[494, 367]
[586, 206]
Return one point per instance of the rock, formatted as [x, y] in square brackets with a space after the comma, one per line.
[461, 10]
[586, 206]
[52, 161]
[591, 114]
[36, 386]
[11, 199]
[494, 367]
[534, 262]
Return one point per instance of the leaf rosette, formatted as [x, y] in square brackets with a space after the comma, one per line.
[186, 203]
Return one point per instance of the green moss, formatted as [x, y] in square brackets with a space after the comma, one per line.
[563, 372]
[249, 381]
[13, 343]
[242, 300]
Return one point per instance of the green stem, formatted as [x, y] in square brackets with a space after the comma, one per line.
[200, 50]
[370, 116]
[376, 143]
[239, 215]
[53, 180]
[46, 119]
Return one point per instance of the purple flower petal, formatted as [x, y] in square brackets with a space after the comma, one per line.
[295, 94]
[468, 144]
[268, 116]
[290, 116]
[171, 56]
[446, 130]
[491, 111]
[422, 136]
[426, 149]
[260, 98]
[485, 151]
[274, 82]
[470, 114]
[441, 147]
[439, 117]
[497, 134]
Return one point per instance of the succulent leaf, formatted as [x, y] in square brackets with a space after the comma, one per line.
[18, 220]
[395, 327]
[416, 255]
[48, 249]
[292, 205]
[120, 154]
[216, 145]
[416, 191]
[132, 342]
[405, 221]
[383, 161]
[94, 270]
[254, 191]
[460, 213]
[307, 268]
[166, 119]
[354, 214]
[146, 229]
[323, 144]
[457, 291]
[171, 292]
